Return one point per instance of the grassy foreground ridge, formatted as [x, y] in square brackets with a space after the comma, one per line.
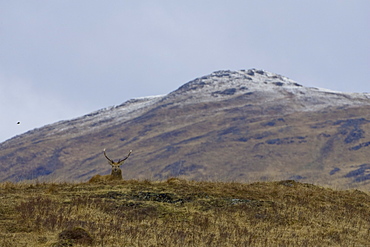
[178, 212]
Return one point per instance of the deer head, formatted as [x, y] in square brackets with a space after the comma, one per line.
[116, 170]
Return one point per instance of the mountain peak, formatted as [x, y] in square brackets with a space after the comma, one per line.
[264, 88]
[236, 80]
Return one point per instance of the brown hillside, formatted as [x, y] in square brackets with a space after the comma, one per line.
[229, 126]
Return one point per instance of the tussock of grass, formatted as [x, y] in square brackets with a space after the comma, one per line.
[182, 213]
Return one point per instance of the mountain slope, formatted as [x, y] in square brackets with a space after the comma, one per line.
[230, 125]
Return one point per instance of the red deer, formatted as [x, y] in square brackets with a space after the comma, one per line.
[116, 173]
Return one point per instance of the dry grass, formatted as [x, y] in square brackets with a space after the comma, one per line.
[182, 213]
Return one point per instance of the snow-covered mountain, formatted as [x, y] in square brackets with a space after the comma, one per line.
[239, 125]
[270, 88]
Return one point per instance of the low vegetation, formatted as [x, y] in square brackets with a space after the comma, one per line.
[182, 213]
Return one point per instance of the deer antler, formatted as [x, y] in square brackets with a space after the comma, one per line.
[119, 162]
[111, 161]
[122, 160]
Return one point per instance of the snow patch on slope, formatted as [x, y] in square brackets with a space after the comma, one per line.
[111, 115]
[98, 119]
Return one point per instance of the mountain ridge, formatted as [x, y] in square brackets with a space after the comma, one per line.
[229, 125]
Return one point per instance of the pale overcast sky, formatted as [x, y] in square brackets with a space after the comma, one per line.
[60, 59]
